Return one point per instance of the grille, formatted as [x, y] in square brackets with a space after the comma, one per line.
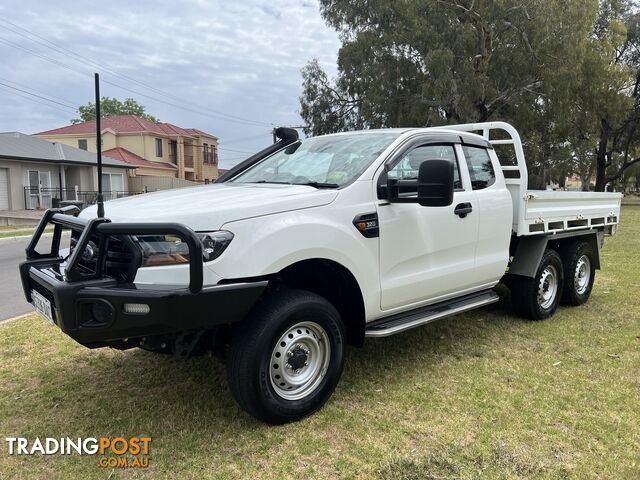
[120, 258]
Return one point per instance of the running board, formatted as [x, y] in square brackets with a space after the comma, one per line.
[384, 327]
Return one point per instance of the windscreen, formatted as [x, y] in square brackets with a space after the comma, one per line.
[330, 161]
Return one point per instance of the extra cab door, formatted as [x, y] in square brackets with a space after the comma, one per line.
[495, 211]
[426, 253]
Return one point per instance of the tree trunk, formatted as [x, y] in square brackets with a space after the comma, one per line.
[585, 182]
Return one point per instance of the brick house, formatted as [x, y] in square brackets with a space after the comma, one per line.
[155, 149]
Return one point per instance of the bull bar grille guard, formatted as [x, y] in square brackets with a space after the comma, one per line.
[66, 217]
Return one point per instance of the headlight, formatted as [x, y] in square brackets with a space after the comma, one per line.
[214, 243]
[172, 250]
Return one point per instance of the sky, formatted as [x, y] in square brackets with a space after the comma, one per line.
[229, 68]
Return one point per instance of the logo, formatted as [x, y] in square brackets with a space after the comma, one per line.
[112, 452]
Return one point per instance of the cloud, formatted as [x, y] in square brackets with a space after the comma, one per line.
[239, 58]
[270, 10]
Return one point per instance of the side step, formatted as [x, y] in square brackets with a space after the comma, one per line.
[400, 322]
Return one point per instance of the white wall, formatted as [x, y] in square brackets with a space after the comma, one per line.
[85, 176]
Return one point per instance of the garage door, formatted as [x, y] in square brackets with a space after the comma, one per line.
[4, 189]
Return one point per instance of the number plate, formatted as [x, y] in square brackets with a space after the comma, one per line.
[43, 306]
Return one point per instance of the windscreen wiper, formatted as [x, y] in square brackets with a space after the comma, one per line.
[319, 184]
[265, 181]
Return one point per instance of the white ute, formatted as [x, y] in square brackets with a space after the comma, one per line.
[314, 244]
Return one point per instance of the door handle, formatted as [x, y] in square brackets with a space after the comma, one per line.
[463, 209]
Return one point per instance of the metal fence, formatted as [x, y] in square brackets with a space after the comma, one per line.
[38, 198]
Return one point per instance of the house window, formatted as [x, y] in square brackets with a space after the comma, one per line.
[173, 150]
[206, 153]
[112, 182]
[158, 147]
[82, 144]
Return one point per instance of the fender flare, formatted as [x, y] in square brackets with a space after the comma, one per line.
[530, 249]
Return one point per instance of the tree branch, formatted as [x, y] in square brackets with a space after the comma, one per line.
[622, 169]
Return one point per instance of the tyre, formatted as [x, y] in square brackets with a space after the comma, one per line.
[538, 298]
[579, 273]
[286, 357]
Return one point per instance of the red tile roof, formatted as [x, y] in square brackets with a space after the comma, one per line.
[195, 131]
[171, 129]
[124, 124]
[130, 157]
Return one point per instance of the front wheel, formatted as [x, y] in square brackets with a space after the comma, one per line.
[286, 358]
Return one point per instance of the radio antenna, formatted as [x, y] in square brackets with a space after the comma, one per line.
[99, 199]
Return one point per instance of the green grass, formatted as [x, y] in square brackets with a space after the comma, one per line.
[631, 200]
[16, 233]
[482, 395]
[19, 231]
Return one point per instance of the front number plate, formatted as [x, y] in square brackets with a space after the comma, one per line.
[43, 306]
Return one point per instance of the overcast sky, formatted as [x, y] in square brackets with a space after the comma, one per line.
[240, 59]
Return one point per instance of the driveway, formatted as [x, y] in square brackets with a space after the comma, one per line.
[12, 302]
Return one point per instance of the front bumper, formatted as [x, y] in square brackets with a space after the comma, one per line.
[91, 308]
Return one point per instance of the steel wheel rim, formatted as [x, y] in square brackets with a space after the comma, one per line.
[548, 287]
[299, 360]
[582, 274]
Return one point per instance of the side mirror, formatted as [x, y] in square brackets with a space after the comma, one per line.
[433, 188]
[435, 183]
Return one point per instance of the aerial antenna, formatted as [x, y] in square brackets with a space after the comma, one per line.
[99, 199]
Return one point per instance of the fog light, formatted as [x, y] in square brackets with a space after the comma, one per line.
[136, 308]
[102, 312]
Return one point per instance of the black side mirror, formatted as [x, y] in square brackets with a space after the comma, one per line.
[435, 183]
[433, 188]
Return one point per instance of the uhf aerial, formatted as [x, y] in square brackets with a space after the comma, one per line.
[99, 199]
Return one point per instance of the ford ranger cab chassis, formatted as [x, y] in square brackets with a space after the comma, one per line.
[310, 245]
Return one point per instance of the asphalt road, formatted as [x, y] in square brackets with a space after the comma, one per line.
[12, 302]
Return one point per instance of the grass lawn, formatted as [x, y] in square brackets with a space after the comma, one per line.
[631, 200]
[19, 231]
[481, 395]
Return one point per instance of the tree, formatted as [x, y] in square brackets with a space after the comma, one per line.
[541, 65]
[112, 106]
[618, 115]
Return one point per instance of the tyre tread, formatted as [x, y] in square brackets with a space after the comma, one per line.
[569, 259]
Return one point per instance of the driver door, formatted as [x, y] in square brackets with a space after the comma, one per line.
[426, 253]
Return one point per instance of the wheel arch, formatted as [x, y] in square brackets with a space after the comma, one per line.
[334, 282]
[527, 251]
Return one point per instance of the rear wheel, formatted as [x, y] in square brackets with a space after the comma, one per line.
[286, 358]
[579, 273]
[538, 298]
